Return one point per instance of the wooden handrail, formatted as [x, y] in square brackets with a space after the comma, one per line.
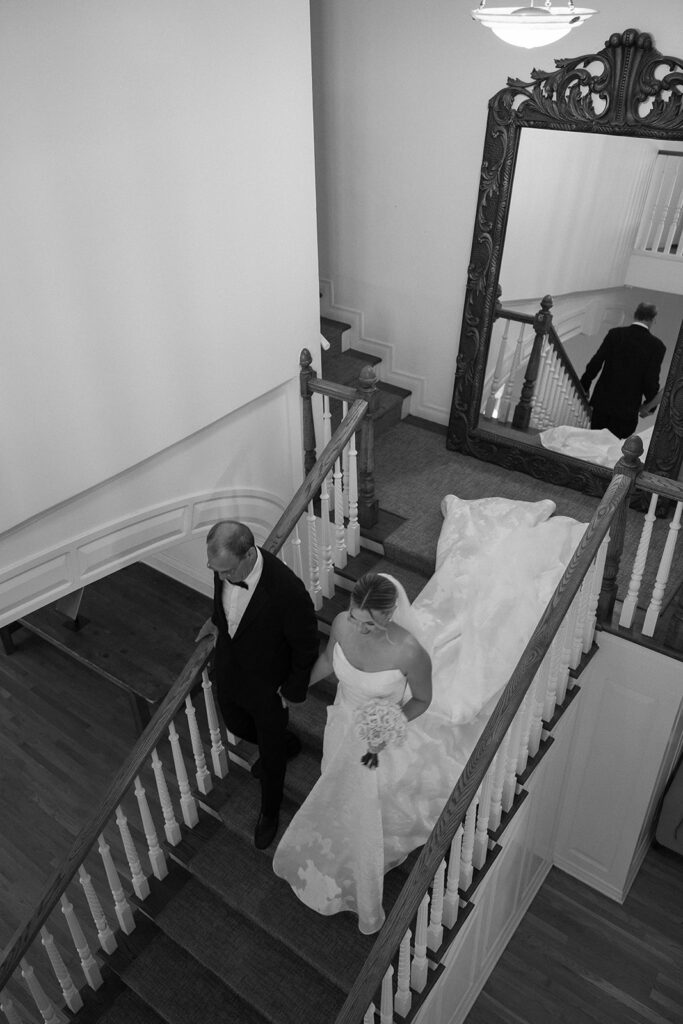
[661, 485]
[86, 838]
[453, 814]
[332, 390]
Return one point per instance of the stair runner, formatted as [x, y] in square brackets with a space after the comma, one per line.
[343, 366]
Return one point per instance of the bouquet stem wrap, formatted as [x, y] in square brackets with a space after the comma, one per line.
[379, 723]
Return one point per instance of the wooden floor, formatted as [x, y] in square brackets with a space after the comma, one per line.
[577, 956]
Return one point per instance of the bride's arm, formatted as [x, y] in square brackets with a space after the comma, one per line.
[418, 671]
[323, 666]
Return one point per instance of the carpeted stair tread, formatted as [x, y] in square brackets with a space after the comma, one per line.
[128, 1008]
[240, 808]
[182, 991]
[243, 956]
[247, 883]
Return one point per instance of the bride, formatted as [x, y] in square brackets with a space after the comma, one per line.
[359, 822]
[444, 660]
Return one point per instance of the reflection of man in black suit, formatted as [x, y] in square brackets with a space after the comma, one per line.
[630, 358]
[266, 643]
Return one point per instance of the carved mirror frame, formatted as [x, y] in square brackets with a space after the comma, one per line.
[628, 88]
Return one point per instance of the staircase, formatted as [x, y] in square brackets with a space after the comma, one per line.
[343, 366]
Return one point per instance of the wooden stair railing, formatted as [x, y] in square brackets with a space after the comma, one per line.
[458, 825]
[551, 393]
[156, 730]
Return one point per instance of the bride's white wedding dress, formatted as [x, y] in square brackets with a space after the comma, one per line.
[498, 562]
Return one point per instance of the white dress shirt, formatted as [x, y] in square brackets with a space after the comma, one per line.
[235, 599]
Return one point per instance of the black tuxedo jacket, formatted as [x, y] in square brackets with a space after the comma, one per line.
[629, 358]
[275, 644]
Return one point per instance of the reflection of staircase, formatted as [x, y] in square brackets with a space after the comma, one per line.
[342, 366]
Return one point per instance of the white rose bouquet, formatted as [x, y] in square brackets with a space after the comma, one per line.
[379, 722]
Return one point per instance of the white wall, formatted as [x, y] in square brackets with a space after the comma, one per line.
[401, 92]
[245, 466]
[158, 260]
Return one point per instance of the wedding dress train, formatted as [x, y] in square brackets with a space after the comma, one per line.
[498, 562]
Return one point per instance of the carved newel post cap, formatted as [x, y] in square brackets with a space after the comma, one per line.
[631, 450]
[367, 377]
[305, 359]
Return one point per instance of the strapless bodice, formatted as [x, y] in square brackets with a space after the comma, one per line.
[357, 687]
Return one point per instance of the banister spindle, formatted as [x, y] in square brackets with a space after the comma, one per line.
[10, 1011]
[188, 805]
[435, 929]
[451, 903]
[171, 826]
[314, 586]
[72, 996]
[157, 860]
[419, 968]
[140, 883]
[404, 997]
[631, 600]
[467, 849]
[202, 774]
[517, 357]
[326, 562]
[369, 1017]
[496, 812]
[386, 1010]
[105, 935]
[122, 909]
[339, 528]
[297, 560]
[89, 966]
[219, 755]
[596, 583]
[345, 466]
[43, 1003]
[481, 831]
[353, 528]
[655, 605]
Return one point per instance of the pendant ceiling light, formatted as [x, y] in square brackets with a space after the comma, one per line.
[531, 26]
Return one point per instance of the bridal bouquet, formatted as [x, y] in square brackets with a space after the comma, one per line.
[380, 723]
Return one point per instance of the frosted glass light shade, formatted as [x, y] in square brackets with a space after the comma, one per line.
[531, 26]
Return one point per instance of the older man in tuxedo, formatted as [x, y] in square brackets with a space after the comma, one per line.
[266, 643]
[628, 362]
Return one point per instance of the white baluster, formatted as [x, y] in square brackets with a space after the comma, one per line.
[496, 812]
[631, 600]
[219, 755]
[404, 997]
[451, 903]
[171, 826]
[582, 599]
[202, 774]
[43, 1003]
[596, 584]
[560, 660]
[105, 935]
[72, 996]
[517, 359]
[314, 586]
[188, 805]
[345, 466]
[297, 561]
[435, 930]
[527, 711]
[91, 971]
[420, 965]
[157, 860]
[326, 563]
[510, 777]
[655, 605]
[123, 912]
[481, 831]
[490, 407]
[10, 1011]
[140, 883]
[386, 1009]
[538, 690]
[353, 528]
[369, 1017]
[467, 850]
[339, 528]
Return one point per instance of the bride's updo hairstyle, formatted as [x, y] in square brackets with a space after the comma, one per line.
[374, 593]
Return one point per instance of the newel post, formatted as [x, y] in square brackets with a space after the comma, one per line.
[542, 324]
[306, 373]
[628, 465]
[368, 506]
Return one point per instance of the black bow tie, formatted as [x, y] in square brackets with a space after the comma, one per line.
[245, 586]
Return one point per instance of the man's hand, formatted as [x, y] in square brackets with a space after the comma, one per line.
[208, 629]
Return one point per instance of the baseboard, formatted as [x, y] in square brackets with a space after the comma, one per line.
[356, 337]
[614, 892]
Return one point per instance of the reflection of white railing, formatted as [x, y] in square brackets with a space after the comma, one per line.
[661, 224]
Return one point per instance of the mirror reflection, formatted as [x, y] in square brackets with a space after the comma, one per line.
[595, 223]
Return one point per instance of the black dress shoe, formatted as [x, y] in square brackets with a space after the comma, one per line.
[265, 831]
[292, 746]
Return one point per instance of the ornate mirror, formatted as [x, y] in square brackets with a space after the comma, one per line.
[572, 230]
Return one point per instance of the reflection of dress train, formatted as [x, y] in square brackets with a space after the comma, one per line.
[357, 822]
